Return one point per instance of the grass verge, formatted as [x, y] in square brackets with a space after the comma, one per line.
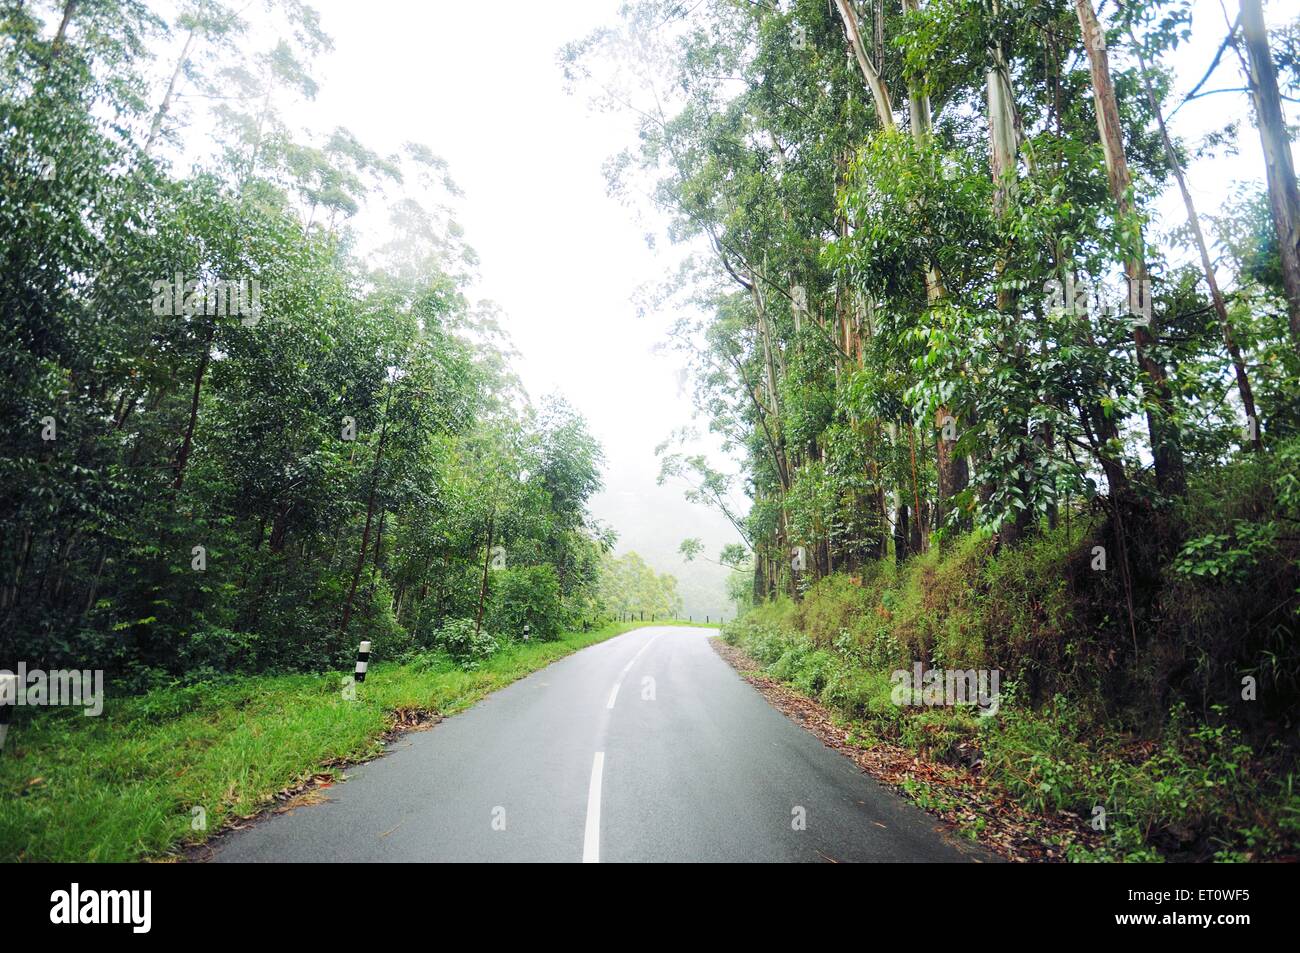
[126, 785]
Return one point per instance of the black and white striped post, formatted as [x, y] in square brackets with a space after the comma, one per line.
[363, 661]
[8, 699]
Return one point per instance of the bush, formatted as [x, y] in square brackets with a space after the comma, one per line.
[468, 647]
[526, 595]
[830, 606]
[814, 671]
[861, 694]
[212, 650]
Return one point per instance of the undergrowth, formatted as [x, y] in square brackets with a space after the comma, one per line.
[1158, 704]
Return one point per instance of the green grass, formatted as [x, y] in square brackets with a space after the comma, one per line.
[124, 786]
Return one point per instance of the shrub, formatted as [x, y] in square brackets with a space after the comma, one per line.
[767, 643]
[831, 606]
[526, 595]
[468, 647]
[861, 694]
[1038, 755]
[814, 670]
[213, 650]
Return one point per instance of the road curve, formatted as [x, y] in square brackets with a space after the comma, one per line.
[646, 747]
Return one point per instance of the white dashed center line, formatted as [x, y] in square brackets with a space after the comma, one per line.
[591, 838]
[613, 695]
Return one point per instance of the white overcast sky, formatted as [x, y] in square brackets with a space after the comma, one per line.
[480, 85]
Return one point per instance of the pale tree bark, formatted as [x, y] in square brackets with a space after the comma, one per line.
[1194, 220]
[1170, 474]
[875, 83]
[1283, 194]
[165, 106]
[921, 121]
[1002, 170]
[880, 33]
[952, 470]
[1002, 129]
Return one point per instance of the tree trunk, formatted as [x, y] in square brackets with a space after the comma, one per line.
[900, 529]
[1170, 475]
[1283, 194]
[370, 515]
[950, 466]
[62, 33]
[919, 530]
[487, 560]
[156, 126]
[875, 82]
[952, 471]
[1220, 308]
[1002, 169]
[183, 455]
[279, 527]
[952, 478]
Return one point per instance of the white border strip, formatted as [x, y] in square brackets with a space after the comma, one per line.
[591, 839]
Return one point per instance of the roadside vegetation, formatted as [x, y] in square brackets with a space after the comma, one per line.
[1143, 724]
[988, 409]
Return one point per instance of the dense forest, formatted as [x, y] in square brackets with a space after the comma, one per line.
[992, 409]
[243, 440]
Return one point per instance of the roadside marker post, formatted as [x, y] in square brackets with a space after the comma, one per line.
[363, 661]
[8, 699]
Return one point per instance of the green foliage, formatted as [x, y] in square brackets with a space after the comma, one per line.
[465, 642]
[629, 585]
[1077, 691]
[1202, 789]
[902, 342]
[193, 485]
[526, 596]
[1230, 557]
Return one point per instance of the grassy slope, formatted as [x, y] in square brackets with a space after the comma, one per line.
[1191, 791]
[123, 786]
[1121, 690]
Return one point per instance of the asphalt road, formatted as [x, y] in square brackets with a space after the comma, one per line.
[587, 760]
